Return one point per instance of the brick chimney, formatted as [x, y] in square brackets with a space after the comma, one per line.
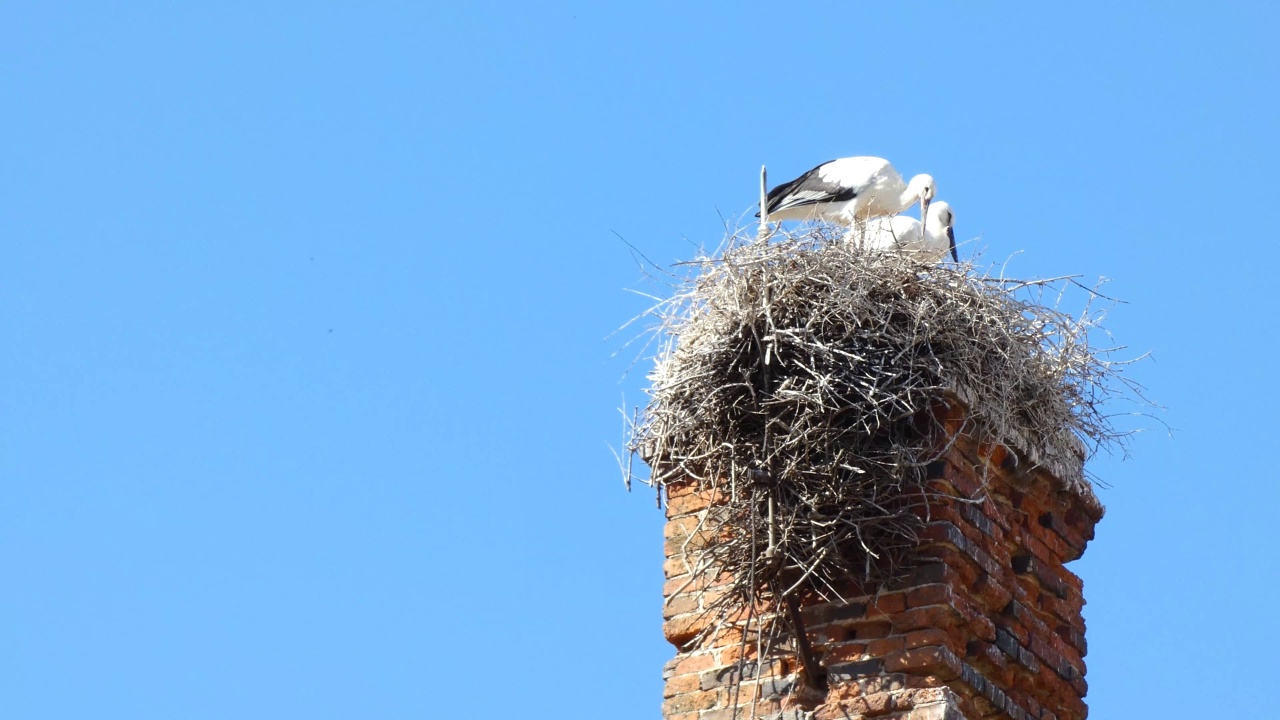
[986, 623]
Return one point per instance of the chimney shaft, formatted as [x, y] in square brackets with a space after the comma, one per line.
[986, 624]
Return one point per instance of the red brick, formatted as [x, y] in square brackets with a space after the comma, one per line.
[937, 660]
[675, 566]
[885, 646]
[682, 684]
[869, 630]
[679, 605]
[843, 710]
[878, 704]
[683, 583]
[695, 664]
[843, 691]
[932, 616]
[680, 527]
[733, 653]
[680, 630]
[993, 595]
[924, 681]
[993, 453]
[968, 480]
[887, 604]
[743, 711]
[983, 629]
[845, 652]
[930, 636]
[1017, 629]
[929, 595]
[686, 504]
[689, 702]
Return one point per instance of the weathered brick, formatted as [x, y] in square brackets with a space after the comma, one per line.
[681, 684]
[886, 604]
[722, 676]
[732, 654]
[877, 704]
[764, 709]
[834, 612]
[1074, 638]
[681, 629]
[686, 504]
[693, 663]
[931, 573]
[968, 484]
[679, 605]
[1010, 644]
[929, 595]
[928, 636]
[982, 628]
[851, 709]
[845, 652]
[869, 630]
[936, 660]
[930, 616]
[769, 688]
[847, 672]
[885, 646]
[691, 701]
[991, 592]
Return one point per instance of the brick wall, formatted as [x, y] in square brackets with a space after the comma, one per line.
[986, 624]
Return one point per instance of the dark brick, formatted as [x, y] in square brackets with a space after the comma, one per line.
[773, 688]
[928, 574]
[1007, 643]
[848, 611]
[848, 672]
[974, 516]
[943, 531]
[719, 677]
[1074, 637]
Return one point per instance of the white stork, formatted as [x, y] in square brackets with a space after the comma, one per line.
[903, 234]
[849, 189]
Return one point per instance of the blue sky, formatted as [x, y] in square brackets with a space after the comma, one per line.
[305, 394]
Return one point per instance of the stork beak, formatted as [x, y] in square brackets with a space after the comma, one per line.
[951, 236]
[924, 210]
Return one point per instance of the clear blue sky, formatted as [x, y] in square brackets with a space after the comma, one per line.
[305, 392]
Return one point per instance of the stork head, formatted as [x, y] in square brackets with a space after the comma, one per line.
[941, 213]
[922, 188]
[940, 220]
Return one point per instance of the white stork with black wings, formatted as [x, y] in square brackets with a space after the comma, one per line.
[847, 190]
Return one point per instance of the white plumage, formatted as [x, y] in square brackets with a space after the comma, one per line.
[930, 243]
[848, 189]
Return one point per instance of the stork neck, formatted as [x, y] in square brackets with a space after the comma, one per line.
[910, 195]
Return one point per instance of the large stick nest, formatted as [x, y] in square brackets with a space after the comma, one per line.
[799, 380]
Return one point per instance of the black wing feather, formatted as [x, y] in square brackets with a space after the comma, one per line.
[811, 181]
